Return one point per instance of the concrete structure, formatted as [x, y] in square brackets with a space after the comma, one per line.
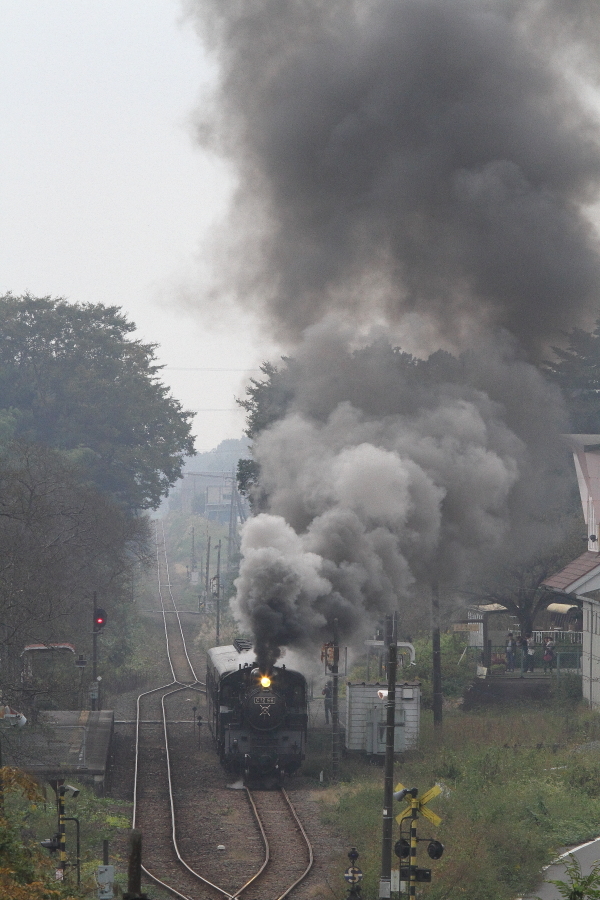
[366, 717]
[74, 744]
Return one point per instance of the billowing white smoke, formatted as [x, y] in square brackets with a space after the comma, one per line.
[365, 503]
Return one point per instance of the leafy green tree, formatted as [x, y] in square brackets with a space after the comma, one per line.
[71, 378]
[576, 370]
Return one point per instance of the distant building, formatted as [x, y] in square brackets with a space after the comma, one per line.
[217, 504]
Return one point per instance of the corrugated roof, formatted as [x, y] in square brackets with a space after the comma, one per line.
[575, 570]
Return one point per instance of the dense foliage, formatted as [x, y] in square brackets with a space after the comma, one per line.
[61, 540]
[74, 380]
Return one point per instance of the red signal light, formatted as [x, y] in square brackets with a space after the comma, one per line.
[99, 619]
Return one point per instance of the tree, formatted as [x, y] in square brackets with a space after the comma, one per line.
[60, 540]
[71, 378]
[576, 370]
[519, 587]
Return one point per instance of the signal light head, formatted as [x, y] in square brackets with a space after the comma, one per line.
[402, 848]
[435, 849]
[100, 618]
[265, 681]
[51, 844]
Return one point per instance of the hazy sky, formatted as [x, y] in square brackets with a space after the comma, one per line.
[104, 195]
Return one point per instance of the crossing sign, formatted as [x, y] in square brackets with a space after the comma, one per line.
[353, 875]
[421, 805]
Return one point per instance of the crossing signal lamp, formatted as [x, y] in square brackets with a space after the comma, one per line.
[99, 620]
[435, 849]
[402, 848]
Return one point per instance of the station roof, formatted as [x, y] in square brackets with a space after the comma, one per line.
[63, 645]
[69, 742]
[579, 576]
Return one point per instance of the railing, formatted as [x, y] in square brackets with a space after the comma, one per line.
[559, 637]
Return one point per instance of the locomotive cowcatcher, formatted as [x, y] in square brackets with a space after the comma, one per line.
[258, 719]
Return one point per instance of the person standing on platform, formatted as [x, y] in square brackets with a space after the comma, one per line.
[530, 653]
[548, 655]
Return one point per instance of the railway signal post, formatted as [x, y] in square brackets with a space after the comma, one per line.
[412, 874]
[98, 623]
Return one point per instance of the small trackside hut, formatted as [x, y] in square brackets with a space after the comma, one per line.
[258, 720]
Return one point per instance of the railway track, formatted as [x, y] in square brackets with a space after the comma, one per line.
[170, 795]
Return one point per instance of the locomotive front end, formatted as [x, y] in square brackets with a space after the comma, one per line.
[265, 707]
[258, 718]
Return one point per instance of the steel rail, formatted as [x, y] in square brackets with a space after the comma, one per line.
[174, 687]
[172, 801]
[165, 687]
[176, 611]
[265, 842]
[267, 850]
[311, 858]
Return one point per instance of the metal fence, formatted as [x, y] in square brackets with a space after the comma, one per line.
[566, 659]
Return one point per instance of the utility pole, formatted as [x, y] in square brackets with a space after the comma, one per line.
[335, 714]
[437, 656]
[94, 656]
[208, 569]
[391, 639]
[218, 629]
[193, 559]
[231, 540]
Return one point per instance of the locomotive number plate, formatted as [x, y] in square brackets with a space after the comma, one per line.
[265, 701]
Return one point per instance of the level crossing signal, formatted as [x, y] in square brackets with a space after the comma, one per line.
[100, 618]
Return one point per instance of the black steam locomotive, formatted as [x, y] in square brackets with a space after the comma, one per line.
[258, 720]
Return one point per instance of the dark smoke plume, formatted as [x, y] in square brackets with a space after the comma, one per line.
[428, 156]
[425, 167]
[384, 477]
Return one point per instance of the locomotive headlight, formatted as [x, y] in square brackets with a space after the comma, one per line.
[265, 681]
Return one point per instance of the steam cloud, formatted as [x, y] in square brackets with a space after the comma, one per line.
[390, 477]
[429, 165]
[394, 156]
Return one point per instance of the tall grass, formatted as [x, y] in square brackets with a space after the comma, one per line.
[516, 785]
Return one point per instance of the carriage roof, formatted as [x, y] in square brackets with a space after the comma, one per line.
[229, 659]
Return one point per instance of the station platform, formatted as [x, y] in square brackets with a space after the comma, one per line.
[71, 743]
